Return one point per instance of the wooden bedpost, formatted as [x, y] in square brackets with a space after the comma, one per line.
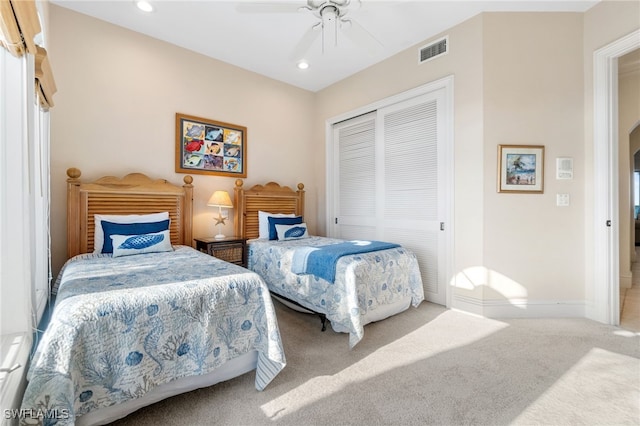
[300, 199]
[238, 200]
[188, 212]
[73, 211]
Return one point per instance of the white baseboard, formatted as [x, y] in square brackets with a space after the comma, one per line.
[626, 280]
[520, 308]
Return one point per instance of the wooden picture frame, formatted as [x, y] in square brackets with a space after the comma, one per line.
[521, 168]
[210, 147]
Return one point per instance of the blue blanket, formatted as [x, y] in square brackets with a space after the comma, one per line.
[321, 261]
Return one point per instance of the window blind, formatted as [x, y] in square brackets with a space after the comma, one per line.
[45, 85]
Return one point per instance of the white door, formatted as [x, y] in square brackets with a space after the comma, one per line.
[389, 182]
[355, 190]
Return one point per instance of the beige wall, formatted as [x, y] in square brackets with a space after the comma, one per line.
[118, 93]
[533, 96]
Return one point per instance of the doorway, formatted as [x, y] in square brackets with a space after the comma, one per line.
[605, 288]
[630, 292]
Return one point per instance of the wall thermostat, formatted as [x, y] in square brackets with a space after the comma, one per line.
[564, 168]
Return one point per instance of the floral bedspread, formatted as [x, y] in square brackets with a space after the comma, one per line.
[363, 282]
[122, 326]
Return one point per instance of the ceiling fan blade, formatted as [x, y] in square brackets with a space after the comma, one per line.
[360, 36]
[305, 42]
[270, 7]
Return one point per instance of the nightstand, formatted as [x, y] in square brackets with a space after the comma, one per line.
[229, 249]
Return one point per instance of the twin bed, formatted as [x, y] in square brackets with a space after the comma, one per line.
[129, 330]
[140, 315]
[369, 285]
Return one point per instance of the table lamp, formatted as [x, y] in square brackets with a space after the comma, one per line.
[220, 199]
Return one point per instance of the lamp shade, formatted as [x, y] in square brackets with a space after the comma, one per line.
[220, 199]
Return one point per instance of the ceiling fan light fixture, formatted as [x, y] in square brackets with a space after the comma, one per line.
[303, 65]
[329, 16]
[332, 16]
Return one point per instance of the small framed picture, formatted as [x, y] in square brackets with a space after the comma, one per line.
[521, 168]
[210, 147]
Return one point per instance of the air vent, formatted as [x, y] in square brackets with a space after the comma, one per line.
[435, 49]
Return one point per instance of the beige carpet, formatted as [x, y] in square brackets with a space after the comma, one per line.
[430, 366]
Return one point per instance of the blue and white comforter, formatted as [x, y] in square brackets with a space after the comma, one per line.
[122, 326]
[363, 282]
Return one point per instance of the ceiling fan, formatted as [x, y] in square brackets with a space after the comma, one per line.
[332, 15]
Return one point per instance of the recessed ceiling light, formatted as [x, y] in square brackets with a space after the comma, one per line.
[145, 6]
[303, 65]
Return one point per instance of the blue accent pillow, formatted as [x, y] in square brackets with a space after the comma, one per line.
[273, 221]
[636, 212]
[126, 245]
[292, 232]
[111, 228]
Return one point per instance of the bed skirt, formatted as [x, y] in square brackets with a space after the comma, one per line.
[234, 368]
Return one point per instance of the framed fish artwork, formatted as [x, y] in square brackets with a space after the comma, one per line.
[210, 147]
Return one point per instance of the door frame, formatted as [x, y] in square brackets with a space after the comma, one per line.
[445, 83]
[606, 255]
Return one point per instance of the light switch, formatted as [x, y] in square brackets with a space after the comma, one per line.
[562, 200]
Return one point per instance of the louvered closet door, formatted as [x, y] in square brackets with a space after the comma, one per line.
[389, 180]
[356, 182]
[411, 180]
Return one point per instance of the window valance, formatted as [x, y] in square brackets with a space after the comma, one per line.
[45, 85]
[19, 24]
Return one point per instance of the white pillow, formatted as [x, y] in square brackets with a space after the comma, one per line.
[263, 222]
[98, 237]
[291, 232]
[126, 245]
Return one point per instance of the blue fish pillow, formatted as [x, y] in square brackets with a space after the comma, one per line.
[126, 245]
[111, 228]
[292, 232]
[273, 221]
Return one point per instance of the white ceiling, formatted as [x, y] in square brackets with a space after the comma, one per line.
[237, 33]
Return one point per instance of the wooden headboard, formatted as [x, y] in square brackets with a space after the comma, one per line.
[270, 197]
[133, 194]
